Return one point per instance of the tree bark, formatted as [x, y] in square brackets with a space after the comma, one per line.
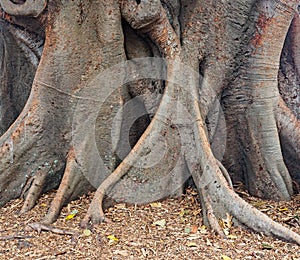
[131, 98]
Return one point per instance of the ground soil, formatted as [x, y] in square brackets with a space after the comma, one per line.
[170, 229]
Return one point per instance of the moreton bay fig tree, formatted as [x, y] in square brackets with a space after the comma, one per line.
[133, 98]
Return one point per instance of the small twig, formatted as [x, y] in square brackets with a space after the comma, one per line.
[41, 227]
[11, 237]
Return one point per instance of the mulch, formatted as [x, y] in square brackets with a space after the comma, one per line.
[169, 229]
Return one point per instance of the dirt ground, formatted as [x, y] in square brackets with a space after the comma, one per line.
[170, 229]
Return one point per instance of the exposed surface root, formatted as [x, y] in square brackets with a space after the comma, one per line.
[220, 198]
[289, 132]
[289, 127]
[95, 214]
[209, 213]
[243, 212]
[35, 191]
[40, 227]
[150, 18]
[224, 199]
[256, 220]
[68, 189]
[256, 88]
[19, 157]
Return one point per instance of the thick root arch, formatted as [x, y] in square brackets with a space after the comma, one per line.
[217, 195]
[243, 212]
[73, 184]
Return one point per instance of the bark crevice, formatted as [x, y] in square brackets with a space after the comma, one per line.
[65, 97]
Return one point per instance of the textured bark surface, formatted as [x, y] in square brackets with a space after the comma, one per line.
[18, 66]
[222, 106]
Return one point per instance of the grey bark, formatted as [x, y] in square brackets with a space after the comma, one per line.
[233, 52]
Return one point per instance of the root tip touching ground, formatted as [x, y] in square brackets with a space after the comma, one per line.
[94, 219]
[72, 184]
[95, 214]
[34, 191]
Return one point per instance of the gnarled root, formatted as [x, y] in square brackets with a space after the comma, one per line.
[289, 132]
[30, 153]
[150, 18]
[220, 196]
[217, 194]
[224, 199]
[256, 90]
[35, 190]
[208, 213]
[72, 181]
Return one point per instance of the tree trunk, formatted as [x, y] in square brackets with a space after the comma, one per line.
[134, 98]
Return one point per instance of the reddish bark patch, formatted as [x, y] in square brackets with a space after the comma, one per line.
[261, 27]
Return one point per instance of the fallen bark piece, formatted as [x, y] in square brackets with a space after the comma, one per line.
[11, 237]
[39, 227]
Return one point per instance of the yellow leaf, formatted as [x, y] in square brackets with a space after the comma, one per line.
[260, 203]
[197, 212]
[226, 231]
[191, 244]
[155, 205]
[203, 229]
[120, 206]
[181, 212]
[161, 223]
[72, 214]
[228, 221]
[87, 232]
[232, 236]
[283, 209]
[225, 257]
[44, 205]
[113, 238]
[267, 246]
